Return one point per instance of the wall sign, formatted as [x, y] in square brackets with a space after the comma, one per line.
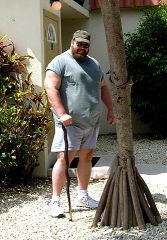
[51, 35]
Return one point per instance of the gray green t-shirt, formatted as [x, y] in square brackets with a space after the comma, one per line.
[80, 89]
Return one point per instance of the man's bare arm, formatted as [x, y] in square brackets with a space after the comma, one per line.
[52, 85]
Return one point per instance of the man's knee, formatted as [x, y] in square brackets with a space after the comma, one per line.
[86, 154]
[61, 157]
[90, 154]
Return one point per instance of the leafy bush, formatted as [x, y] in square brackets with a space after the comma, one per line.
[24, 117]
[146, 53]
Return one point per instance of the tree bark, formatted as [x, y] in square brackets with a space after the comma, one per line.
[126, 200]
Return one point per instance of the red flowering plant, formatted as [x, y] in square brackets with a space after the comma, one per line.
[24, 116]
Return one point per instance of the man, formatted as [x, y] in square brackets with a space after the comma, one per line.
[75, 86]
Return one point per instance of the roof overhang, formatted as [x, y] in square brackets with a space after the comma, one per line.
[71, 9]
[94, 4]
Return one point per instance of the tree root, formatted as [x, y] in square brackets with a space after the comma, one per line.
[126, 200]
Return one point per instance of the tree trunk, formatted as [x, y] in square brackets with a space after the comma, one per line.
[126, 200]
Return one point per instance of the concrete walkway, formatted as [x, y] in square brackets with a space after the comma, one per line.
[155, 175]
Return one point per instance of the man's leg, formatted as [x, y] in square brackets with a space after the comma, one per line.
[84, 168]
[58, 173]
[83, 176]
[88, 144]
[58, 181]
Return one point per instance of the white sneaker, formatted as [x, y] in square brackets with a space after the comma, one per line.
[56, 210]
[87, 201]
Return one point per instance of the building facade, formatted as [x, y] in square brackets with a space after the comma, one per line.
[36, 29]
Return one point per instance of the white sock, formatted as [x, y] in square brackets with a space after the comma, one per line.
[82, 193]
[55, 198]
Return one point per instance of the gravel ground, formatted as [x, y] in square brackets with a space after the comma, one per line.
[25, 209]
[146, 150]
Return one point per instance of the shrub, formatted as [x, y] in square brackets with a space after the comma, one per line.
[147, 65]
[24, 117]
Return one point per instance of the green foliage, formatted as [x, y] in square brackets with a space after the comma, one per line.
[24, 117]
[146, 53]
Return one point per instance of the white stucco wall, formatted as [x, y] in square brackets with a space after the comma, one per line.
[22, 22]
[98, 48]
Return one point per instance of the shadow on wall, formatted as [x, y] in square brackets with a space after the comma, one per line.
[52, 160]
[138, 126]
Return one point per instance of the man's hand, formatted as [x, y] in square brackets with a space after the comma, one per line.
[66, 119]
[110, 117]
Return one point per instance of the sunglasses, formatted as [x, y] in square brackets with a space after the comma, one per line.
[82, 44]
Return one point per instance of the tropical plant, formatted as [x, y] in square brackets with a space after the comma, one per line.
[146, 53]
[24, 116]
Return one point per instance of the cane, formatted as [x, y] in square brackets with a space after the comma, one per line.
[66, 171]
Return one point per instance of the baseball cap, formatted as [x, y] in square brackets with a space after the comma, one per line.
[81, 36]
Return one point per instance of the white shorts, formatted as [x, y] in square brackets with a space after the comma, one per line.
[77, 138]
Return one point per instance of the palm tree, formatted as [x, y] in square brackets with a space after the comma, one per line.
[126, 200]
